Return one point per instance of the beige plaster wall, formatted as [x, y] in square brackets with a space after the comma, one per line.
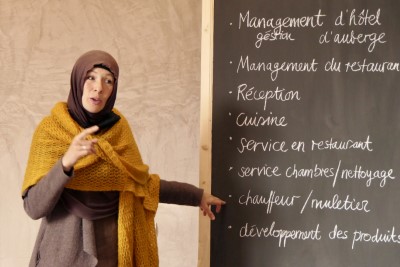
[157, 45]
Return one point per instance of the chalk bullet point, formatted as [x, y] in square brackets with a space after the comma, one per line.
[230, 92]
[230, 23]
[230, 62]
[230, 195]
[230, 137]
[231, 168]
[230, 227]
[230, 114]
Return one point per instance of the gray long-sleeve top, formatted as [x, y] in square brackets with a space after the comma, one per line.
[67, 240]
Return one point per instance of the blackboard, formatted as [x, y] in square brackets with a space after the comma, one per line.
[305, 133]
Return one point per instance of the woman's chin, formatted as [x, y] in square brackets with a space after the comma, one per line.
[93, 108]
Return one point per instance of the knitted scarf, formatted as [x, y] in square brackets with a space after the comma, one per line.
[116, 166]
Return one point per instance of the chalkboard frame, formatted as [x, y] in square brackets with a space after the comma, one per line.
[207, 41]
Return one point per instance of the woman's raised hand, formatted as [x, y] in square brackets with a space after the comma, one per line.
[79, 148]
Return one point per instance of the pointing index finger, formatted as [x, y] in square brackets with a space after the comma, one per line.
[88, 131]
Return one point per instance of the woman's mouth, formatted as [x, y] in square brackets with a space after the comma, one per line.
[95, 101]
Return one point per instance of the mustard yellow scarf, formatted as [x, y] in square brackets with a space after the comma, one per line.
[116, 166]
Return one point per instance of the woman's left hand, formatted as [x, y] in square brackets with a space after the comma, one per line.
[206, 201]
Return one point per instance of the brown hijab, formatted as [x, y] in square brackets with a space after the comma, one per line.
[105, 118]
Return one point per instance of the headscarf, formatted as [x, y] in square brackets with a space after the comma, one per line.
[106, 117]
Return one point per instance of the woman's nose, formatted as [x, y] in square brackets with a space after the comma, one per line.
[98, 86]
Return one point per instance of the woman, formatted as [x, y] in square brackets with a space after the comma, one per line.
[85, 178]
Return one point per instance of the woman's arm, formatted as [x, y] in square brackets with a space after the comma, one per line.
[40, 199]
[172, 192]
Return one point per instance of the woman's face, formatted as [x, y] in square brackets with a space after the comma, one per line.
[99, 84]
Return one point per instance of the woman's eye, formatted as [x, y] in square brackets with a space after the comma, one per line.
[109, 81]
[89, 77]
